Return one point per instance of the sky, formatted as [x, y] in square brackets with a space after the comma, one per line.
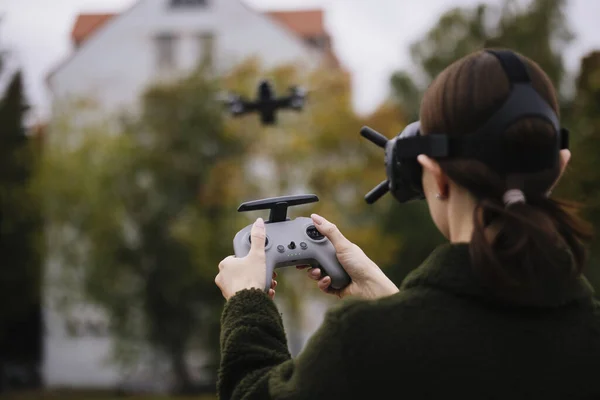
[371, 37]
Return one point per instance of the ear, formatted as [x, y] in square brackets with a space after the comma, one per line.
[433, 167]
[565, 157]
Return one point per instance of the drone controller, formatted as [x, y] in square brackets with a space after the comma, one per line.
[291, 242]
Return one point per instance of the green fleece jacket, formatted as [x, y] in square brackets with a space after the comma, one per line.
[441, 336]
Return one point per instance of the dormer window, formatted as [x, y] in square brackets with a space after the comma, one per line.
[189, 3]
[320, 42]
[166, 51]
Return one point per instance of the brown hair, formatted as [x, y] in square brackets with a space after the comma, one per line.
[513, 248]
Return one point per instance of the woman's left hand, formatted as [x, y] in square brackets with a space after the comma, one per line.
[236, 274]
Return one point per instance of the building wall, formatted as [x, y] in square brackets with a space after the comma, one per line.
[116, 63]
[113, 67]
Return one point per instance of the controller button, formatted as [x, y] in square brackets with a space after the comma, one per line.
[303, 246]
[266, 240]
[292, 246]
[313, 233]
[280, 248]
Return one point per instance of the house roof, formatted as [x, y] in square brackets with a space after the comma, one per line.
[304, 22]
[87, 24]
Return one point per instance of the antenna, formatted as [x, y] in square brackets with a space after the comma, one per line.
[381, 141]
[278, 205]
[374, 136]
[377, 192]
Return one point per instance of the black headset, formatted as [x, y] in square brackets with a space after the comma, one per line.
[486, 144]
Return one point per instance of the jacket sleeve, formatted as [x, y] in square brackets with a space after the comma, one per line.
[256, 363]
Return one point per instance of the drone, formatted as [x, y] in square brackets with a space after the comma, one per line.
[266, 104]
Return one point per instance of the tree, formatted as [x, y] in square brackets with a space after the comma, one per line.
[149, 221]
[20, 225]
[581, 181]
[155, 210]
[538, 30]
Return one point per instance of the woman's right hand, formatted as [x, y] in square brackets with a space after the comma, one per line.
[368, 281]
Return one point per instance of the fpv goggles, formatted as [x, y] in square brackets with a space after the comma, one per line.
[487, 144]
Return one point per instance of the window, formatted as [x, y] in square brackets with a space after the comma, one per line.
[77, 328]
[73, 328]
[165, 51]
[320, 42]
[189, 3]
[206, 49]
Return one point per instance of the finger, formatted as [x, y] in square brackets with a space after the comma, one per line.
[258, 235]
[332, 233]
[274, 274]
[273, 284]
[324, 284]
[271, 293]
[225, 261]
[314, 273]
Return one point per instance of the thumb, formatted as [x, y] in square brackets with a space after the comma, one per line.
[332, 233]
[258, 237]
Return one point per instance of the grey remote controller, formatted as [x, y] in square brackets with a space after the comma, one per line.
[291, 242]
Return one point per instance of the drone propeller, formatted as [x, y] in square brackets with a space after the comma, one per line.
[298, 91]
[381, 141]
[227, 97]
[232, 101]
[297, 97]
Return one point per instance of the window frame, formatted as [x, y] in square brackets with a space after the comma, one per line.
[170, 40]
[188, 3]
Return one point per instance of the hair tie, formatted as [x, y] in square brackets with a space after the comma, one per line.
[513, 196]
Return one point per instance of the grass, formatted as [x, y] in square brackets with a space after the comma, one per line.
[94, 395]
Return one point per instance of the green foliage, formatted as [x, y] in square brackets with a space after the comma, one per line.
[20, 226]
[153, 209]
[537, 29]
[407, 93]
[581, 181]
[139, 218]
[457, 33]
[95, 395]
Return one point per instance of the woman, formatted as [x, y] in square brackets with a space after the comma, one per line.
[501, 311]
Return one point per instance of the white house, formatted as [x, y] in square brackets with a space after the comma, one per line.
[114, 58]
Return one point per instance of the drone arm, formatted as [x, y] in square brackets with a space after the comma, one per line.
[283, 102]
[249, 106]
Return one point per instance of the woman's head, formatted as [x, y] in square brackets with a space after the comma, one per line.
[465, 197]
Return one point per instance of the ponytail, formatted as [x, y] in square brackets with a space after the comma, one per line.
[516, 248]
